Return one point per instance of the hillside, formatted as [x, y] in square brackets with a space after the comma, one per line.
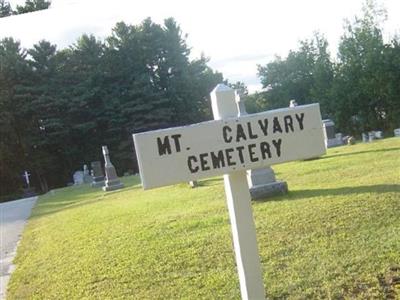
[335, 235]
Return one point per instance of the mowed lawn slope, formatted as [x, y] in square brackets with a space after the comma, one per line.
[335, 235]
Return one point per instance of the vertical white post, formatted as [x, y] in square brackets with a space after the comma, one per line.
[239, 206]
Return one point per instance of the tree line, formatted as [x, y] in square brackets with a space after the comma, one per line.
[58, 107]
[359, 90]
[29, 6]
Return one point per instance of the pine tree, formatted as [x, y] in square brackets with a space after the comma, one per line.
[5, 9]
[32, 5]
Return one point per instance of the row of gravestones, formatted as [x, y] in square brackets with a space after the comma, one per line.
[333, 139]
[262, 182]
[373, 135]
[108, 181]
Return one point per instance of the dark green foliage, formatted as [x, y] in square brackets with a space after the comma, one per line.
[256, 102]
[240, 88]
[365, 77]
[13, 119]
[360, 91]
[29, 6]
[305, 75]
[5, 9]
[57, 108]
[32, 5]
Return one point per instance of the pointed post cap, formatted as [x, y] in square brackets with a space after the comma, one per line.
[105, 150]
[221, 88]
[223, 102]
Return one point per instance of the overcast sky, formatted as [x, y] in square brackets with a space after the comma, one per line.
[236, 35]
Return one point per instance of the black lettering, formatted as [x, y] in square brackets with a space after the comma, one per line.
[276, 125]
[251, 134]
[264, 126]
[252, 153]
[176, 138]
[288, 123]
[240, 133]
[192, 159]
[225, 131]
[163, 147]
[204, 162]
[277, 144]
[265, 150]
[217, 159]
[240, 150]
[300, 119]
[229, 157]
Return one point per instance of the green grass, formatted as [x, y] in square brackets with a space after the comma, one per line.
[336, 235]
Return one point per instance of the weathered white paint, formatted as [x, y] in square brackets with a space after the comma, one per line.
[239, 205]
[206, 139]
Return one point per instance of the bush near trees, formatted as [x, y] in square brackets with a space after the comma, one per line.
[360, 90]
[57, 108]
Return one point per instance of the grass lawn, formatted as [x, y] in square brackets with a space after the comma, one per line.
[336, 235]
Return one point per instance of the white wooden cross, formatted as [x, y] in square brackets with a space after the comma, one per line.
[26, 176]
[230, 145]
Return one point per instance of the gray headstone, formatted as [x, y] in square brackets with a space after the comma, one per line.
[260, 176]
[371, 136]
[364, 137]
[112, 181]
[97, 174]
[262, 182]
[329, 129]
[397, 132]
[78, 177]
[332, 139]
[87, 178]
[378, 134]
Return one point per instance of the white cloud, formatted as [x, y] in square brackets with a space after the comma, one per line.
[236, 35]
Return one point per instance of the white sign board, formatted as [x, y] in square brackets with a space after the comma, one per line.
[219, 147]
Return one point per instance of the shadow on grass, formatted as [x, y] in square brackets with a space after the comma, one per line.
[312, 193]
[211, 182]
[360, 152]
[69, 197]
[49, 205]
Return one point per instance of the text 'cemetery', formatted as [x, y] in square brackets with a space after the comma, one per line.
[221, 146]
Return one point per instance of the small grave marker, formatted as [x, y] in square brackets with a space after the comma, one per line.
[332, 139]
[112, 182]
[364, 137]
[229, 146]
[87, 178]
[26, 176]
[78, 177]
[97, 174]
[28, 190]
